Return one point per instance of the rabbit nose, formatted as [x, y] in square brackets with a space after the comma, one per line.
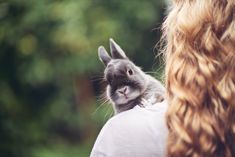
[122, 90]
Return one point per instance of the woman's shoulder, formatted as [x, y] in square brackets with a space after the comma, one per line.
[139, 116]
[141, 131]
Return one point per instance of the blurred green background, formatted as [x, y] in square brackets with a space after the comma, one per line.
[50, 75]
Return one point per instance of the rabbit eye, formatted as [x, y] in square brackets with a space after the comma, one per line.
[130, 72]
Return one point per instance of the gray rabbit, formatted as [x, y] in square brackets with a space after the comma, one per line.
[127, 84]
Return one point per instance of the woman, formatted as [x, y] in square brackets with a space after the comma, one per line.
[200, 80]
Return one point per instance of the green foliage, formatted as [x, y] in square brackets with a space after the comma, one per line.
[47, 59]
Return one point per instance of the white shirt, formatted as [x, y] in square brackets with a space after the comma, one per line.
[139, 132]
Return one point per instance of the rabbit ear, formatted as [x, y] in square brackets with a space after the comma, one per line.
[116, 51]
[103, 55]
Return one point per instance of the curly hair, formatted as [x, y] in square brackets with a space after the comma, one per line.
[200, 78]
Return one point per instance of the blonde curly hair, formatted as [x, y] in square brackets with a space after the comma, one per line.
[200, 78]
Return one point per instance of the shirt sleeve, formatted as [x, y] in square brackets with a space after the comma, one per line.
[139, 132]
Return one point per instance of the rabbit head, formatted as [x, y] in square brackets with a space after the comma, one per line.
[126, 82]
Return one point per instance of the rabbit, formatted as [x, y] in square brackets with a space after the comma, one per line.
[127, 84]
